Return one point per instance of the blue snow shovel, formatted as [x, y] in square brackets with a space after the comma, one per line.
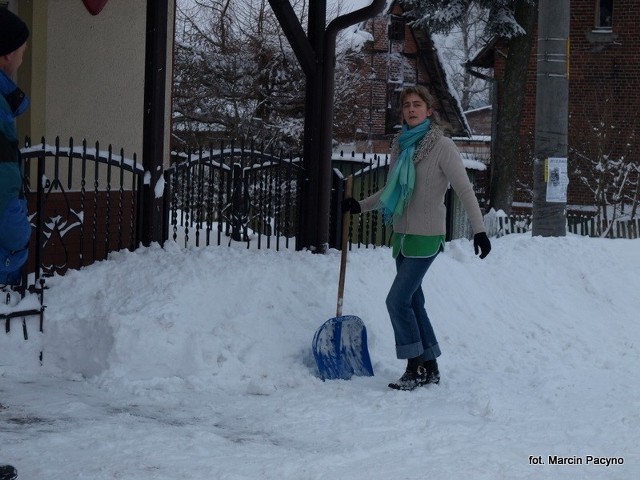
[340, 344]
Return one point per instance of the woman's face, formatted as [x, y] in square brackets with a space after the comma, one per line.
[415, 110]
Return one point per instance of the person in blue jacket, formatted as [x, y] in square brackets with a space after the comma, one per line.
[15, 228]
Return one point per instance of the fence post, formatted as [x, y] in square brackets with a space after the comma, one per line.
[166, 206]
[39, 215]
[338, 194]
[155, 110]
[237, 211]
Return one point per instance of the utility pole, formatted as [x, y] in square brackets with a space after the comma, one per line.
[552, 120]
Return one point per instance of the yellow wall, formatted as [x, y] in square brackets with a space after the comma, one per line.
[85, 74]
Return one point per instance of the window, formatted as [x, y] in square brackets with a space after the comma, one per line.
[396, 28]
[393, 119]
[604, 14]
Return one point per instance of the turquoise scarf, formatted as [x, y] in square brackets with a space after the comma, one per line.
[402, 178]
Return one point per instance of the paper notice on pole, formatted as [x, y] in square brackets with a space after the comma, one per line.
[557, 179]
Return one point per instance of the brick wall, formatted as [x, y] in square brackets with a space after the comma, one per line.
[604, 91]
[480, 121]
[604, 87]
[388, 65]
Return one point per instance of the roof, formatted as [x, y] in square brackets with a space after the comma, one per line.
[428, 53]
[450, 105]
[484, 58]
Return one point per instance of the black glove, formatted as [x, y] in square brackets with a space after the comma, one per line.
[481, 242]
[351, 205]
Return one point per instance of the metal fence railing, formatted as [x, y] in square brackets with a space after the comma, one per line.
[233, 195]
[83, 202]
[585, 225]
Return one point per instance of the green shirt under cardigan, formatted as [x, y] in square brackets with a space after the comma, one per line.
[416, 246]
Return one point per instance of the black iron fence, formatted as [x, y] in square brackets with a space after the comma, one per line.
[233, 194]
[243, 195]
[369, 173]
[83, 203]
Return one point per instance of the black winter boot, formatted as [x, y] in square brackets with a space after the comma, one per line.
[7, 472]
[414, 376]
[433, 374]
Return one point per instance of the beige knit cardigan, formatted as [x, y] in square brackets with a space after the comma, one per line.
[438, 165]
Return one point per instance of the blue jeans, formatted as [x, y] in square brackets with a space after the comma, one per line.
[405, 302]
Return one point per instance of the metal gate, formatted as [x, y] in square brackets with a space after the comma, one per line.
[230, 195]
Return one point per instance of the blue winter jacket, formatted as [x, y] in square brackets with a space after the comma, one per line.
[13, 102]
[15, 228]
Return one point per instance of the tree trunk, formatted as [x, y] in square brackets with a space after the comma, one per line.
[512, 91]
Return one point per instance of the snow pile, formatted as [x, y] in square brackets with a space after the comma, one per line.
[196, 363]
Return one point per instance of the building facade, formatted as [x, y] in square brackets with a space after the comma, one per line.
[399, 56]
[604, 78]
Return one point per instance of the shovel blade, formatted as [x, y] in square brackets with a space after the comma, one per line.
[340, 349]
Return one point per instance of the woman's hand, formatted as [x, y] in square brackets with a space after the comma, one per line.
[481, 243]
[351, 205]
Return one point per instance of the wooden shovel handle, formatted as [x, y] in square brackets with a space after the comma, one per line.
[346, 219]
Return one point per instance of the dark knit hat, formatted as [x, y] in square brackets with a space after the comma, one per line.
[13, 32]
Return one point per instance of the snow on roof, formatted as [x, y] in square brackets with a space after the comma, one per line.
[354, 37]
[473, 138]
[479, 109]
[451, 88]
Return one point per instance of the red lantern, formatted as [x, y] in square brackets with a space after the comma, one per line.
[94, 6]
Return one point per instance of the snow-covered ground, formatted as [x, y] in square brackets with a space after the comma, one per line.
[197, 364]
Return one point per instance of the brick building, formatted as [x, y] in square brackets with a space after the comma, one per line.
[480, 120]
[399, 56]
[604, 81]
